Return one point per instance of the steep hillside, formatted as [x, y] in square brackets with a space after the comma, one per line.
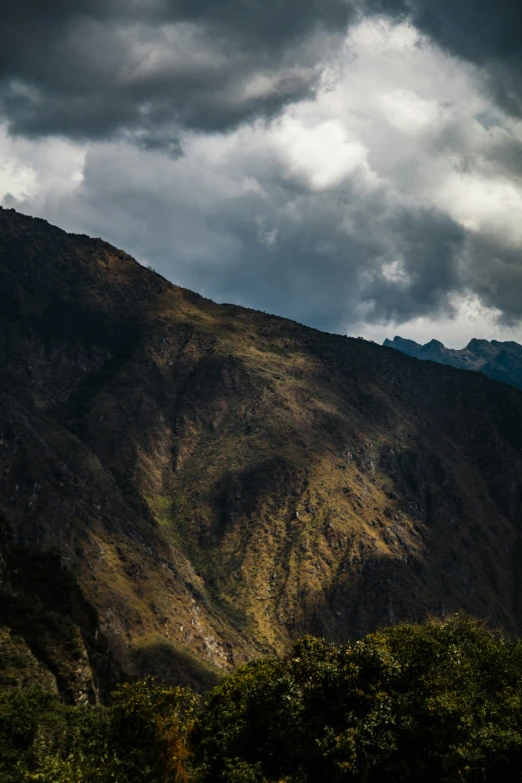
[217, 481]
[49, 633]
[501, 361]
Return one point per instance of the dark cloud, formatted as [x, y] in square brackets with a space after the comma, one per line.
[429, 245]
[271, 23]
[93, 69]
[477, 29]
[494, 273]
[319, 276]
[147, 69]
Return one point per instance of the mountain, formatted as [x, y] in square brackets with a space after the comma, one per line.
[501, 361]
[185, 486]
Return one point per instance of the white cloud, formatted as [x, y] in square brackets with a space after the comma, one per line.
[395, 272]
[321, 155]
[492, 205]
[409, 113]
[17, 179]
[38, 171]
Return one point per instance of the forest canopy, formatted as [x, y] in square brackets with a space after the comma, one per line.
[434, 702]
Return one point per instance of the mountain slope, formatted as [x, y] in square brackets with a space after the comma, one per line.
[501, 361]
[219, 481]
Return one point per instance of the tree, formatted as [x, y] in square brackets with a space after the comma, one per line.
[149, 729]
[437, 702]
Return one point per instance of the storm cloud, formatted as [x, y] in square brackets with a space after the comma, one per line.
[150, 68]
[146, 70]
[355, 165]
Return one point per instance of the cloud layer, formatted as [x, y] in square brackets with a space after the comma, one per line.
[148, 69]
[348, 169]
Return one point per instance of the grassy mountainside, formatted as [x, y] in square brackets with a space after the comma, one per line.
[220, 481]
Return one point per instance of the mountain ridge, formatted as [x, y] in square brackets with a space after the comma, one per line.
[501, 361]
[218, 481]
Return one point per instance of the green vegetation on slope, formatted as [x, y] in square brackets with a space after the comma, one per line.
[438, 702]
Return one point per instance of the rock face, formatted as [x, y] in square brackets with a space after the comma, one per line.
[214, 481]
[501, 361]
[49, 633]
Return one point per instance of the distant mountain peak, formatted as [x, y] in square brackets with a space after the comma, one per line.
[501, 361]
[398, 341]
[476, 341]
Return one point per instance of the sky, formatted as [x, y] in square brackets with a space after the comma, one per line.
[355, 165]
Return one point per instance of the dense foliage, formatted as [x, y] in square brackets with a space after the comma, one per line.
[439, 702]
[141, 738]
[435, 702]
